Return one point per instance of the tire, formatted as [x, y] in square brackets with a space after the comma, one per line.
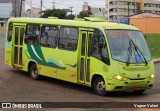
[34, 72]
[138, 91]
[99, 86]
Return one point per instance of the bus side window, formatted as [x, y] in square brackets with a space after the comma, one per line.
[68, 38]
[33, 33]
[10, 28]
[49, 36]
[99, 47]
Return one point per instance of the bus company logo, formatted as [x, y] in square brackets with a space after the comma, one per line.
[138, 75]
[6, 105]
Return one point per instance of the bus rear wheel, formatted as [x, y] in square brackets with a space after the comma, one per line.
[99, 86]
[34, 72]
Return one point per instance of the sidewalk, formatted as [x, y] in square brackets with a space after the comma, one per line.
[156, 60]
[2, 28]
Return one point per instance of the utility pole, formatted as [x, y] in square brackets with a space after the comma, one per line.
[15, 5]
[71, 10]
[41, 7]
[31, 8]
[20, 8]
[54, 4]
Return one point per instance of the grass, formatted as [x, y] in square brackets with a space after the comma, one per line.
[153, 41]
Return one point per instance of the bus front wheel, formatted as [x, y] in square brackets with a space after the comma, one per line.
[99, 86]
[34, 71]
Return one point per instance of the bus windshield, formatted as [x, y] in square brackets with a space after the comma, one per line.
[128, 46]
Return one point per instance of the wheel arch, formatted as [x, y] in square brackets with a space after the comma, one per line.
[94, 78]
[30, 63]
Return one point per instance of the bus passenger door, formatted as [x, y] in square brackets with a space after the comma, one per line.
[84, 63]
[17, 45]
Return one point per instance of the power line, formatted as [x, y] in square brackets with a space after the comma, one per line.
[32, 4]
[44, 7]
[43, 1]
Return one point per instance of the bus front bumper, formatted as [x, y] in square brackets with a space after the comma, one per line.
[127, 85]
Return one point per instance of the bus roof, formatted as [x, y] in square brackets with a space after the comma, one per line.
[96, 23]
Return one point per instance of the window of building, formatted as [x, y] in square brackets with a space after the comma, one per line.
[68, 38]
[49, 36]
[145, 5]
[32, 34]
[111, 3]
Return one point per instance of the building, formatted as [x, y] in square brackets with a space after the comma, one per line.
[10, 8]
[117, 9]
[148, 23]
[35, 12]
[6, 10]
[145, 15]
[96, 11]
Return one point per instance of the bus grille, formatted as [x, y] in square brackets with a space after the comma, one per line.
[130, 85]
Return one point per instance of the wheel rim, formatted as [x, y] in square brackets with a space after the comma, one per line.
[101, 86]
[34, 72]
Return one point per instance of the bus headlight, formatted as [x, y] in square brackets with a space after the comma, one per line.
[119, 77]
[152, 76]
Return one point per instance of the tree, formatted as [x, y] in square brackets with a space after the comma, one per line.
[82, 14]
[70, 16]
[87, 13]
[60, 13]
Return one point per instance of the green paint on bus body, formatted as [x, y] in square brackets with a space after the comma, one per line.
[36, 54]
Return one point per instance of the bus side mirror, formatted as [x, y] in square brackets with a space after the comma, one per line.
[100, 42]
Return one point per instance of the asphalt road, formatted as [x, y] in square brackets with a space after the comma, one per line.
[16, 86]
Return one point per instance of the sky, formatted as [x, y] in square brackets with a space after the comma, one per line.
[76, 4]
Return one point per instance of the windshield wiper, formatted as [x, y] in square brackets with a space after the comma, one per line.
[129, 53]
[139, 52]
